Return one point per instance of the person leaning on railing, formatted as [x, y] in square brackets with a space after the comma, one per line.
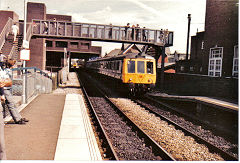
[2, 142]
[6, 86]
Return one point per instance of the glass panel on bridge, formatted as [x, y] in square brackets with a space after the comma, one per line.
[101, 32]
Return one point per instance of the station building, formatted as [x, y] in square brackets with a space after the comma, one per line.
[50, 54]
[214, 52]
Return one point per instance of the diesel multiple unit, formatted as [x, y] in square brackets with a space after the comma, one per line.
[137, 72]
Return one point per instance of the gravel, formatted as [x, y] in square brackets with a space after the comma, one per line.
[174, 141]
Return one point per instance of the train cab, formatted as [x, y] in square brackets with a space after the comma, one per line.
[139, 73]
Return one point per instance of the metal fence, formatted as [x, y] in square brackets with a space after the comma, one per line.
[37, 82]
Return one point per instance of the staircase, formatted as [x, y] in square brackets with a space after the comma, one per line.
[11, 48]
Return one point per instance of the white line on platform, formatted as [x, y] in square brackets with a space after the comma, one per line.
[76, 140]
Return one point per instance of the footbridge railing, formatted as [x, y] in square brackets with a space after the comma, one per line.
[100, 32]
[5, 31]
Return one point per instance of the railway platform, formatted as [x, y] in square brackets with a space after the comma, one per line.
[200, 99]
[218, 114]
[58, 129]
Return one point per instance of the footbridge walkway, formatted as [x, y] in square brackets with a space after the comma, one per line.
[100, 32]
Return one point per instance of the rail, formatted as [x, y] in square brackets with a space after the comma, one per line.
[101, 32]
[227, 156]
[157, 150]
[5, 32]
[37, 81]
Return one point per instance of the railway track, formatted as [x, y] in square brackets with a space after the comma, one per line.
[179, 123]
[186, 148]
[122, 138]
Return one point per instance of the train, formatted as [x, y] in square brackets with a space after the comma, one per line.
[77, 63]
[135, 71]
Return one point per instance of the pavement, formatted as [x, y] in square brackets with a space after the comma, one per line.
[58, 129]
[36, 140]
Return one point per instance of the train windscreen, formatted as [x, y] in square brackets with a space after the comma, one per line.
[140, 67]
[131, 66]
[150, 67]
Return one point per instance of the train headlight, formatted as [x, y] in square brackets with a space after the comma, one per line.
[149, 80]
[130, 79]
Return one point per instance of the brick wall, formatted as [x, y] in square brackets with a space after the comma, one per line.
[37, 46]
[221, 29]
[59, 17]
[200, 85]
[36, 11]
[196, 48]
[38, 54]
[197, 42]
[4, 15]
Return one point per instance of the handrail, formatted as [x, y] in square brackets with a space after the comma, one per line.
[28, 37]
[13, 50]
[35, 68]
[5, 31]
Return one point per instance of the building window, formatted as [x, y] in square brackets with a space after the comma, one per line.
[61, 44]
[182, 68]
[49, 43]
[74, 45]
[202, 46]
[85, 45]
[191, 68]
[215, 62]
[235, 62]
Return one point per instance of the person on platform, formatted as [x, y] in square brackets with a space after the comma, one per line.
[2, 57]
[5, 87]
[15, 31]
[133, 34]
[126, 30]
[2, 141]
[144, 34]
[45, 29]
[137, 32]
[110, 31]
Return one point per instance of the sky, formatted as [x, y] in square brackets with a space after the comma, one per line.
[153, 14]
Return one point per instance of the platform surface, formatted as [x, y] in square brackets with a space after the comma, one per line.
[208, 100]
[59, 128]
[37, 139]
[76, 138]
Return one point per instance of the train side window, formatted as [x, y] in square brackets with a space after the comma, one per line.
[150, 67]
[140, 67]
[131, 66]
[118, 64]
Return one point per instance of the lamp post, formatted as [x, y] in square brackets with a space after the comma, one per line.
[189, 21]
[24, 62]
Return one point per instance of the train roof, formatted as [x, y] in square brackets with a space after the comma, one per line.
[129, 55]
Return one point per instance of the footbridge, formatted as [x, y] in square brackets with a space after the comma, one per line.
[100, 32]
